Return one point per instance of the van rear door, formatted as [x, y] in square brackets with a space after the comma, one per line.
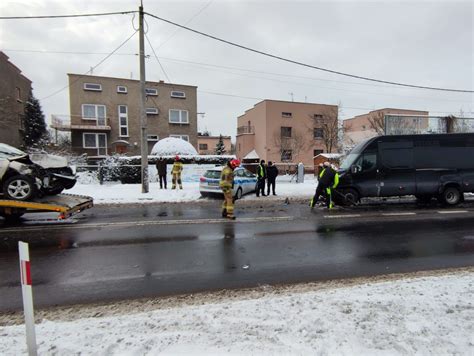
[397, 173]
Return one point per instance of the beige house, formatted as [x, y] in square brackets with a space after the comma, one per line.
[362, 127]
[207, 144]
[286, 131]
[15, 89]
[105, 114]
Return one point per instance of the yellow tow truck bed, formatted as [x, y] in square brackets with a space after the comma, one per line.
[65, 205]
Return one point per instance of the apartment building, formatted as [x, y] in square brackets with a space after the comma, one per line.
[105, 114]
[362, 127]
[286, 131]
[15, 90]
[207, 144]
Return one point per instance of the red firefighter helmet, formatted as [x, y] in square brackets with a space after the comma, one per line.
[176, 158]
[234, 163]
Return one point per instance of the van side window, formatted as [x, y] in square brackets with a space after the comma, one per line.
[401, 158]
[367, 161]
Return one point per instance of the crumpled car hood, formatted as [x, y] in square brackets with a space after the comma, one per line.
[48, 161]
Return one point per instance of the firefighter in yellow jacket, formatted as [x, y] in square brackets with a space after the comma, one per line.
[227, 183]
[176, 172]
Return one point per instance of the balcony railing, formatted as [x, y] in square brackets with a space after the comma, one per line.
[245, 130]
[66, 123]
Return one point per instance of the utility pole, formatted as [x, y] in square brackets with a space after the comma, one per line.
[143, 119]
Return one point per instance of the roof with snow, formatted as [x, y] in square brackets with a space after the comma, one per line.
[330, 155]
[172, 146]
[252, 155]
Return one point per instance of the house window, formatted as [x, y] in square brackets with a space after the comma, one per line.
[286, 155]
[95, 141]
[122, 89]
[179, 116]
[286, 114]
[94, 112]
[123, 120]
[182, 137]
[18, 94]
[151, 91]
[318, 134]
[178, 94]
[285, 131]
[152, 137]
[317, 152]
[93, 86]
[151, 111]
[203, 146]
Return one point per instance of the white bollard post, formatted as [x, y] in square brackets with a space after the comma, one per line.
[27, 292]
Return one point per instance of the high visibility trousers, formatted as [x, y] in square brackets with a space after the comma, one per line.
[176, 178]
[228, 204]
[330, 203]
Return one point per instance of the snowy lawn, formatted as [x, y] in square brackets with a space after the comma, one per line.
[116, 193]
[430, 315]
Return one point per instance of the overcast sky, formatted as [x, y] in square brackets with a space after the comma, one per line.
[428, 43]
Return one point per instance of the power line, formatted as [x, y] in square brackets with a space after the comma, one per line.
[305, 64]
[163, 69]
[66, 52]
[94, 67]
[192, 18]
[65, 16]
[343, 107]
[210, 66]
[309, 84]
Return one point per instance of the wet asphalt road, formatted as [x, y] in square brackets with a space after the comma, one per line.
[120, 252]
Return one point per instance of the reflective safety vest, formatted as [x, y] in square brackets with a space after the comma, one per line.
[227, 178]
[177, 167]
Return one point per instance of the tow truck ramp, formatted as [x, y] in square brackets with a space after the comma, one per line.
[65, 205]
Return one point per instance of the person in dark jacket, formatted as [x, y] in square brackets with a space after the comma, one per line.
[261, 176]
[272, 173]
[161, 168]
[328, 180]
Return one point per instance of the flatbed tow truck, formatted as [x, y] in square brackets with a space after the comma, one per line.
[65, 205]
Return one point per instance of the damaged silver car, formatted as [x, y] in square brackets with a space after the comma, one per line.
[27, 176]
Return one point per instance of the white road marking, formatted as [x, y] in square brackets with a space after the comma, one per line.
[151, 223]
[398, 214]
[452, 211]
[342, 216]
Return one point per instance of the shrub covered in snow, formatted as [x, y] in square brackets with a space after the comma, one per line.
[171, 146]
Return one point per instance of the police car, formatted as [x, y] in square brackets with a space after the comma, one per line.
[244, 182]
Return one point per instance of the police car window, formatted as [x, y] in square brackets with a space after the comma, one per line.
[239, 173]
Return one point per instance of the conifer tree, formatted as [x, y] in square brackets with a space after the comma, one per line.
[35, 133]
[220, 147]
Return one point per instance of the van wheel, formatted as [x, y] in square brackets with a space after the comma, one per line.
[238, 194]
[19, 187]
[451, 196]
[351, 197]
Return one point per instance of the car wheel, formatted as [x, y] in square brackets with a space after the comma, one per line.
[19, 187]
[238, 194]
[351, 197]
[451, 196]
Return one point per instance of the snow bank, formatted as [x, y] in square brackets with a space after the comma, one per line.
[117, 193]
[424, 315]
